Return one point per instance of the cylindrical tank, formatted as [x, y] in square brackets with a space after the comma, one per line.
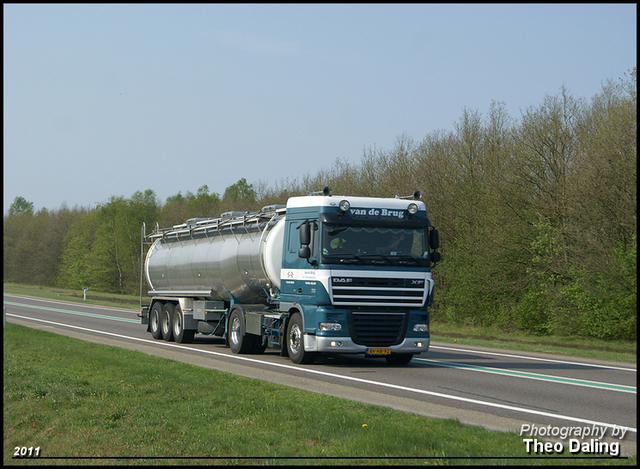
[239, 260]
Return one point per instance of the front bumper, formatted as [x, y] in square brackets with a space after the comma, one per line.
[314, 343]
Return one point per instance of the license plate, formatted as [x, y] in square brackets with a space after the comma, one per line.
[378, 351]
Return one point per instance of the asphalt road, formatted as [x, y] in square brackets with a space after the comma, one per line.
[493, 388]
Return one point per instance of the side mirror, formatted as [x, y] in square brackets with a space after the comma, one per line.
[304, 252]
[305, 240]
[305, 233]
[434, 239]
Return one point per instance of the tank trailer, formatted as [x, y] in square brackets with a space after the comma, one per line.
[321, 274]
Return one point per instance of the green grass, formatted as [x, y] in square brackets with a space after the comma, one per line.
[440, 332]
[65, 294]
[77, 399]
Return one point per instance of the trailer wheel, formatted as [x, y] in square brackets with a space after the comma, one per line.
[155, 316]
[238, 341]
[179, 334]
[399, 358]
[295, 341]
[167, 321]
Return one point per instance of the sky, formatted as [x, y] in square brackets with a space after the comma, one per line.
[105, 100]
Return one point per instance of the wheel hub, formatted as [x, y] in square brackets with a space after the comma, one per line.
[295, 339]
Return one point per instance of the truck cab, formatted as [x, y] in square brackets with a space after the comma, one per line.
[357, 271]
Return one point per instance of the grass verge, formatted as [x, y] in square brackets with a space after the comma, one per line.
[77, 400]
[65, 294]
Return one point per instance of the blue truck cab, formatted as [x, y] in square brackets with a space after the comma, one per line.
[357, 273]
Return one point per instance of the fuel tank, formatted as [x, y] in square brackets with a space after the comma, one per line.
[225, 263]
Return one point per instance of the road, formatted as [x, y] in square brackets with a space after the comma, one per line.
[492, 388]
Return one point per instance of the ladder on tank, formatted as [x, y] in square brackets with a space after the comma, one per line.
[145, 244]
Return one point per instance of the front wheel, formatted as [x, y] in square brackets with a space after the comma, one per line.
[295, 341]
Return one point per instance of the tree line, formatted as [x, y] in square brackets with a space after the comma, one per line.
[537, 216]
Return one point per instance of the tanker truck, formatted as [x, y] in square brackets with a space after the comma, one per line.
[320, 275]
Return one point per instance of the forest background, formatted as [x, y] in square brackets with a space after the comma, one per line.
[537, 217]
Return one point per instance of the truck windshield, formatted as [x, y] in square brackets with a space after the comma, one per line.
[373, 245]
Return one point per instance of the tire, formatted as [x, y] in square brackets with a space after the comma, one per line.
[399, 358]
[155, 316]
[238, 341]
[167, 321]
[179, 334]
[295, 341]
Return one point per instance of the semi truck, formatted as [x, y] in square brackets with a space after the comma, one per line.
[320, 275]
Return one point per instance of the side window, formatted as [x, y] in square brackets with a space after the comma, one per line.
[314, 240]
[294, 241]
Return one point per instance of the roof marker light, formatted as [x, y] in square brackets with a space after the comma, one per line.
[344, 205]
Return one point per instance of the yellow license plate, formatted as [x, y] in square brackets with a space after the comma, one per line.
[378, 351]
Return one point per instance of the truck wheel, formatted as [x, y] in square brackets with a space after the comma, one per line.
[295, 341]
[238, 342]
[399, 358]
[167, 321]
[179, 334]
[155, 316]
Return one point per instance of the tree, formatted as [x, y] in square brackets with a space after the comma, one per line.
[174, 211]
[104, 250]
[75, 265]
[16, 248]
[204, 204]
[239, 196]
[606, 186]
[20, 206]
[33, 244]
[179, 208]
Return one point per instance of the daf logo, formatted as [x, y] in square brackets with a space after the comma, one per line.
[342, 280]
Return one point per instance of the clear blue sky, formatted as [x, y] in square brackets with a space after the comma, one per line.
[107, 100]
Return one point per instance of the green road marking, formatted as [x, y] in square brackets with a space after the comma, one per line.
[523, 374]
[101, 316]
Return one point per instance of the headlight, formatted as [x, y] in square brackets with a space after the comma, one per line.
[344, 205]
[413, 209]
[330, 326]
[421, 328]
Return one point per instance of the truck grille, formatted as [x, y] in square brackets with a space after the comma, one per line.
[377, 329]
[374, 291]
